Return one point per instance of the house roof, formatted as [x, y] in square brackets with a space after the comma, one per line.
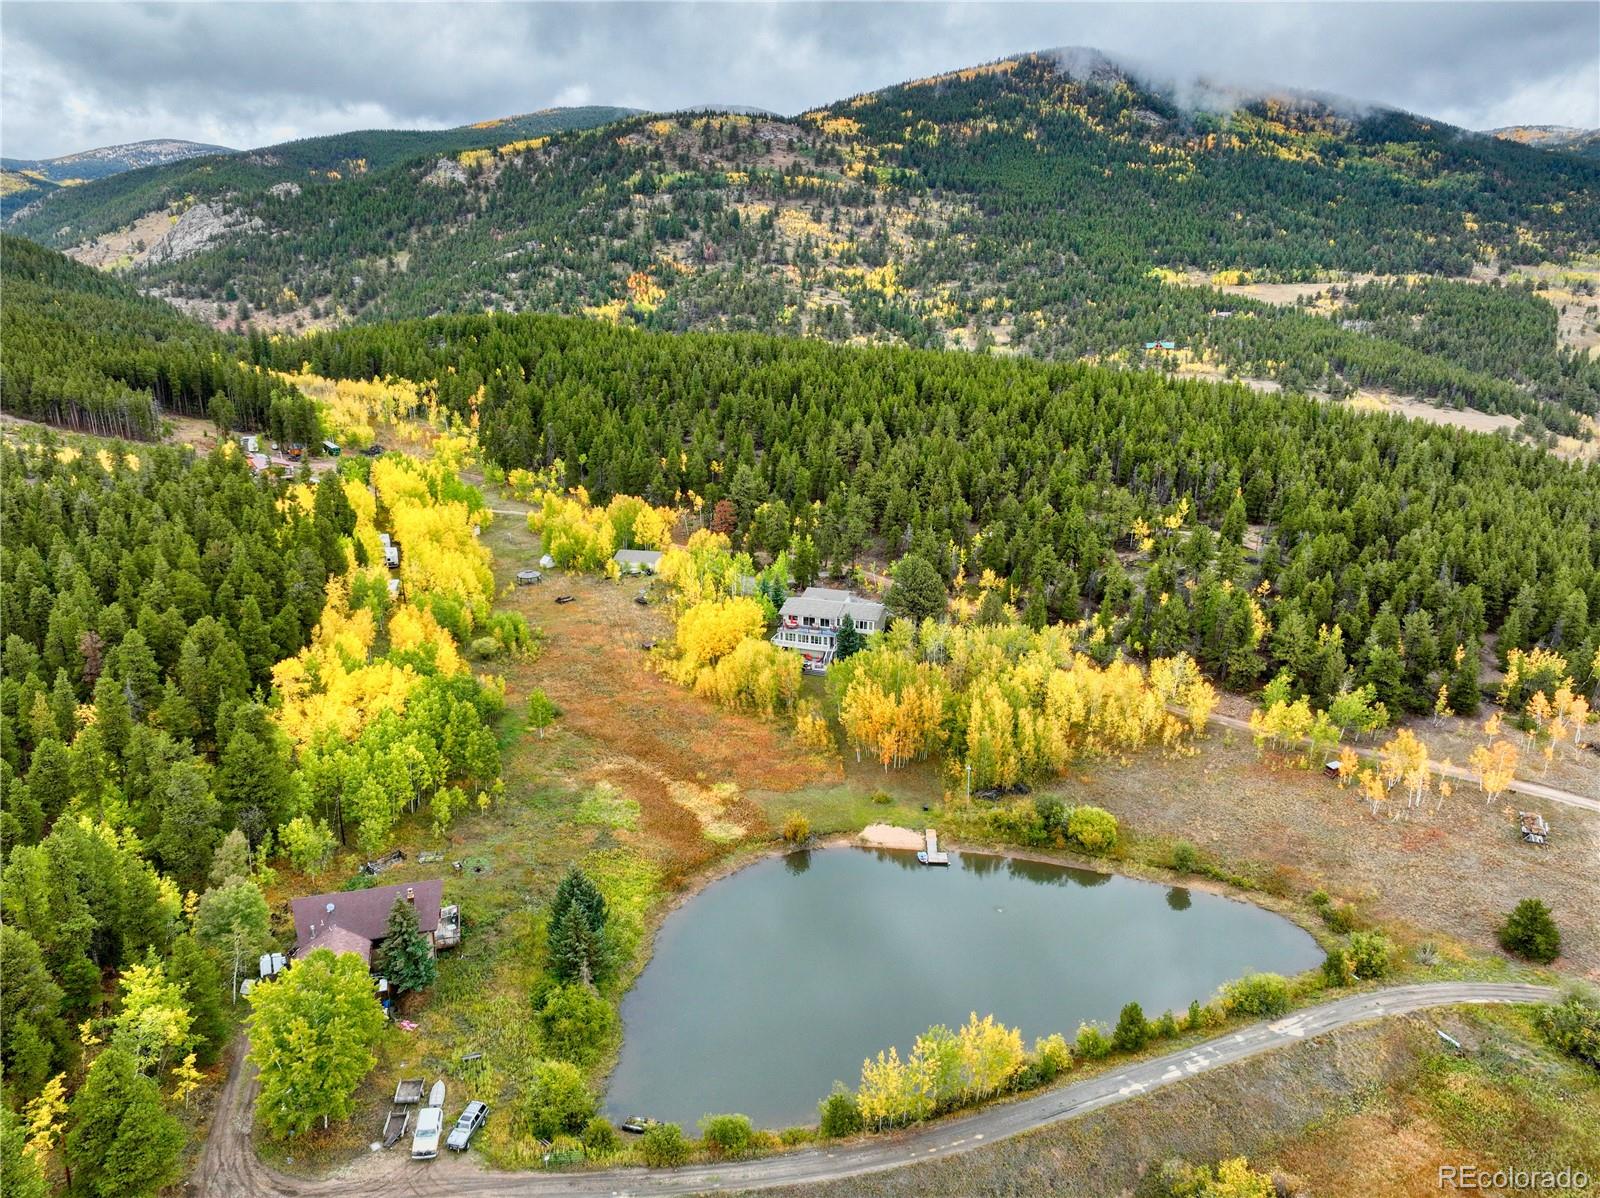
[337, 940]
[363, 914]
[638, 557]
[825, 602]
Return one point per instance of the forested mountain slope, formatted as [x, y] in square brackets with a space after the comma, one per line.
[1391, 548]
[84, 350]
[23, 180]
[1063, 211]
[248, 178]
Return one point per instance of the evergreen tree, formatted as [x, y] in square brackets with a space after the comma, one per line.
[123, 1144]
[1531, 932]
[576, 940]
[405, 957]
[36, 1043]
[917, 592]
[849, 641]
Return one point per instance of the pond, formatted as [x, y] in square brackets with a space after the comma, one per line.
[781, 978]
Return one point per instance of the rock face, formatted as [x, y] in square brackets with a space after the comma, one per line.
[284, 191]
[446, 170]
[196, 229]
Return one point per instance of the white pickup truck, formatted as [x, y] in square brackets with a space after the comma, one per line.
[430, 1123]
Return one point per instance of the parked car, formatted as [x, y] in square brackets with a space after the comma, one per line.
[471, 1120]
[430, 1123]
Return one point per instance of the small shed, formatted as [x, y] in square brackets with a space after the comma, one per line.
[637, 561]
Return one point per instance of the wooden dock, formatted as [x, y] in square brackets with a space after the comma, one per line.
[930, 854]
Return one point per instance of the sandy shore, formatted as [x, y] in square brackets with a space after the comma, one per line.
[887, 836]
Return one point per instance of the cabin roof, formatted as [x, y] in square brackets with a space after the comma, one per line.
[361, 914]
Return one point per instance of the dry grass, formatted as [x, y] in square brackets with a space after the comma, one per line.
[1369, 1110]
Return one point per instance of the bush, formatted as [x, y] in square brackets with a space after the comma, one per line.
[1336, 968]
[796, 828]
[1196, 1018]
[1052, 1057]
[1263, 995]
[1573, 1026]
[727, 1135]
[578, 1024]
[1092, 829]
[1319, 899]
[1133, 1030]
[484, 648]
[307, 843]
[599, 1137]
[1093, 1043]
[791, 1137]
[1184, 857]
[1340, 919]
[663, 1146]
[1529, 931]
[1370, 954]
[839, 1114]
[1166, 1027]
[558, 1102]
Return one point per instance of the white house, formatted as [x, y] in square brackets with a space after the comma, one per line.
[809, 622]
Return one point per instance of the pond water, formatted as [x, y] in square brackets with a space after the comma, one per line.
[781, 978]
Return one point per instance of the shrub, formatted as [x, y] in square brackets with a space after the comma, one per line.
[796, 828]
[882, 797]
[1166, 1027]
[663, 1146]
[558, 1102]
[1092, 829]
[1264, 995]
[1196, 1018]
[1229, 1179]
[1133, 1030]
[1573, 1026]
[1336, 968]
[578, 1024]
[1052, 1057]
[727, 1135]
[839, 1114]
[1093, 1043]
[1341, 918]
[1371, 954]
[1529, 931]
[485, 648]
[1184, 857]
[790, 1137]
[599, 1137]
[1319, 899]
[307, 843]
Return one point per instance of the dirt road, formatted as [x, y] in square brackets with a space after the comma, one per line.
[1537, 790]
[229, 1168]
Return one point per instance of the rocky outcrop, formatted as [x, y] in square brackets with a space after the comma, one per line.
[284, 191]
[199, 226]
[446, 170]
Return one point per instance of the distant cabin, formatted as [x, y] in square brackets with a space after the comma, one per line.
[250, 443]
[809, 622]
[1161, 345]
[637, 561]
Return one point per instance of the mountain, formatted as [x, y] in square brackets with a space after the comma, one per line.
[1553, 137]
[23, 180]
[1049, 204]
[249, 177]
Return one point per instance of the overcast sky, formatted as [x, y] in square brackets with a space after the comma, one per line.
[78, 75]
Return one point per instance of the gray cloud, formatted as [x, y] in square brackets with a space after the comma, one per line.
[76, 75]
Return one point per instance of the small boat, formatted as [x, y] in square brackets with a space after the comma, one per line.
[638, 1124]
[436, 1095]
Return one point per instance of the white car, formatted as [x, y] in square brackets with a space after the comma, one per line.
[425, 1140]
[430, 1122]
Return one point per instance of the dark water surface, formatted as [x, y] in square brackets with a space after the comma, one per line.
[779, 979]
